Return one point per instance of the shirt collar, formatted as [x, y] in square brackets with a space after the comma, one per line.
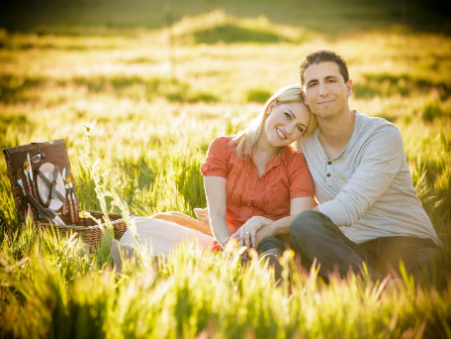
[274, 162]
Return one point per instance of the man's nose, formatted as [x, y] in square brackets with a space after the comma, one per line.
[323, 89]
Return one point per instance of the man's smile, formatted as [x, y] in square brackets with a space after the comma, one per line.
[326, 102]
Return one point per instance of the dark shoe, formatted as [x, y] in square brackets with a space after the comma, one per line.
[244, 261]
[270, 258]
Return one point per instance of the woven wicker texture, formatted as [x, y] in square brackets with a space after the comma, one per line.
[56, 153]
[90, 232]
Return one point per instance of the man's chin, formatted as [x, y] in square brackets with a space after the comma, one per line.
[326, 112]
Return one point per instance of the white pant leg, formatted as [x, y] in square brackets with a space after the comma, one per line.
[163, 236]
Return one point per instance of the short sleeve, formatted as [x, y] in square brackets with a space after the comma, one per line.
[301, 182]
[216, 163]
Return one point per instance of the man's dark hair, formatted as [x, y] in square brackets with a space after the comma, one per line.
[320, 56]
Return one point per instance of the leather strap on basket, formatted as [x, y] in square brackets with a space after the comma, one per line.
[52, 187]
[49, 184]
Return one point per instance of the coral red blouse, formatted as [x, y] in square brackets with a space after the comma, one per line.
[285, 178]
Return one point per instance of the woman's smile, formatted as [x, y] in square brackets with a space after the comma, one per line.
[285, 124]
[280, 134]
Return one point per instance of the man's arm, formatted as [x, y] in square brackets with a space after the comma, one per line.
[383, 154]
[282, 226]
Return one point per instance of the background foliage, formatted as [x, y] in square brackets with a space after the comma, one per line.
[154, 109]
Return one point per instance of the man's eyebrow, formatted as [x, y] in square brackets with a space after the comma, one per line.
[312, 80]
[328, 77]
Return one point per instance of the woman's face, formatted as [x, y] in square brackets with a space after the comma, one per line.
[286, 123]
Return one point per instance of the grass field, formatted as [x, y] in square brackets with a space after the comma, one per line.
[153, 112]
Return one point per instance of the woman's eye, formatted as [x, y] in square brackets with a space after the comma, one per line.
[300, 129]
[288, 116]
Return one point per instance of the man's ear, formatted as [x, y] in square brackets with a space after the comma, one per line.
[349, 88]
[304, 97]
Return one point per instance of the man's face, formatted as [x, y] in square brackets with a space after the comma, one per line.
[325, 91]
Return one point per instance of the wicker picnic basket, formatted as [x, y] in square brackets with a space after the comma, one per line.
[56, 153]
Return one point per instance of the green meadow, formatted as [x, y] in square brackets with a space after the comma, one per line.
[153, 107]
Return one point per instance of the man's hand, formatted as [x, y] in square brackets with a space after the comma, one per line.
[264, 232]
[246, 235]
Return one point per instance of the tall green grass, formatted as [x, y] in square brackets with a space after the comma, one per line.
[54, 289]
[150, 132]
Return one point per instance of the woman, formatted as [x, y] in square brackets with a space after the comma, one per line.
[252, 179]
[256, 177]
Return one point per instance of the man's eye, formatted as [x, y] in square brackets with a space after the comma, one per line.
[311, 84]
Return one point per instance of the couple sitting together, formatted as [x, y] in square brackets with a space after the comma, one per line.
[306, 141]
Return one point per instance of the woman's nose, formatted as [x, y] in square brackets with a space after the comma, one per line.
[289, 128]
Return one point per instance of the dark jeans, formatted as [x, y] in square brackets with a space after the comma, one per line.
[314, 235]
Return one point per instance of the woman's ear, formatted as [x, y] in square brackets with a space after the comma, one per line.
[271, 107]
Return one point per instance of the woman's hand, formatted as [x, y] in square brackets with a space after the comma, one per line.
[246, 234]
[259, 227]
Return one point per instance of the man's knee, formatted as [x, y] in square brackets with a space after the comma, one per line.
[309, 222]
[305, 220]
[269, 243]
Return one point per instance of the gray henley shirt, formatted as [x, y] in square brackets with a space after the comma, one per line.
[367, 189]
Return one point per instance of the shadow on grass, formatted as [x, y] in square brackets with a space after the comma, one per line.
[139, 60]
[22, 45]
[19, 121]
[14, 89]
[391, 118]
[258, 95]
[388, 84]
[130, 86]
[229, 33]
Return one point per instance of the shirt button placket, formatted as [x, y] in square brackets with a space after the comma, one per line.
[328, 170]
[253, 195]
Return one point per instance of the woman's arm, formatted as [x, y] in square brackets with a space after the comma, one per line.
[282, 226]
[260, 227]
[215, 189]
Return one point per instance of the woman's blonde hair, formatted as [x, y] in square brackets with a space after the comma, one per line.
[247, 138]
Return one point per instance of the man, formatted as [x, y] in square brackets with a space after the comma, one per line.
[369, 211]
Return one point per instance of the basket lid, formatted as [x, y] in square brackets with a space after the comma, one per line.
[55, 152]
